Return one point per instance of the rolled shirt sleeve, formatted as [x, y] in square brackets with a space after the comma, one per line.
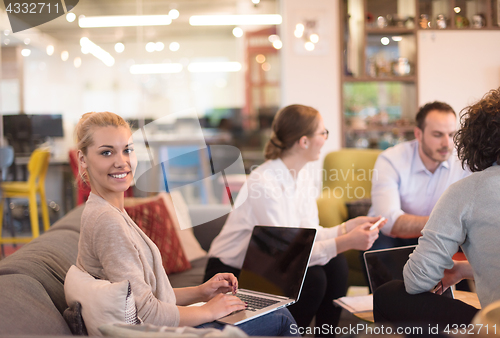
[441, 238]
[386, 200]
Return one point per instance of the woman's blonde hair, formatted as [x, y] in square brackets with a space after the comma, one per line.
[289, 125]
[86, 126]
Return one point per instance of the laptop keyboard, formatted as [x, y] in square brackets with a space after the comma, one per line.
[255, 302]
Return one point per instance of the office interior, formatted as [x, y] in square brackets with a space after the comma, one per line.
[50, 77]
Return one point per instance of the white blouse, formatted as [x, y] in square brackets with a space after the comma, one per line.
[273, 197]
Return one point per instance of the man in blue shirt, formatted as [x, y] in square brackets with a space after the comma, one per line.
[410, 177]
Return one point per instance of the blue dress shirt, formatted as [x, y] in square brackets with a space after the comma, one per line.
[401, 183]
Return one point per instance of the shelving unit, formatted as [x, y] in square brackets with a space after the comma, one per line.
[380, 61]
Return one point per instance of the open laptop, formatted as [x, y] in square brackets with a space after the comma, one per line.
[273, 271]
[385, 265]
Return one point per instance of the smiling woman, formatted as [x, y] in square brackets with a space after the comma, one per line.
[106, 155]
[112, 247]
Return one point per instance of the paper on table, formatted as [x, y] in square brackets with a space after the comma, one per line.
[356, 304]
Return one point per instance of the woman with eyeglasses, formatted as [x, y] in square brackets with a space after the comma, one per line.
[280, 193]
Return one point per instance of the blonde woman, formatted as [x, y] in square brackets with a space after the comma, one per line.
[112, 247]
[280, 194]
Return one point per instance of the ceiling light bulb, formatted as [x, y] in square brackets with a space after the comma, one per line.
[266, 67]
[77, 62]
[150, 47]
[50, 50]
[457, 9]
[277, 44]
[385, 41]
[238, 32]
[70, 17]
[159, 46]
[119, 47]
[299, 27]
[298, 33]
[397, 38]
[64, 55]
[26, 52]
[27, 41]
[260, 58]
[6, 32]
[314, 38]
[174, 46]
[255, 1]
[273, 38]
[309, 46]
[173, 14]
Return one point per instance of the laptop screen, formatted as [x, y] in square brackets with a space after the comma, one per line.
[276, 260]
[385, 265]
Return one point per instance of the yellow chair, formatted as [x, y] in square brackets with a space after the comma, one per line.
[347, 176]
[37, 168]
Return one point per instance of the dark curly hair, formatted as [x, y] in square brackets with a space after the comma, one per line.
[478, 139]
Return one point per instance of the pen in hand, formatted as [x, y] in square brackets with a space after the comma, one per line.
[377, 223]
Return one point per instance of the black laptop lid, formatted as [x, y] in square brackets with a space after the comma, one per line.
[276, 260]
[385, 265]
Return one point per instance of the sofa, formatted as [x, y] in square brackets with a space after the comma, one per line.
[32, 298]
[346, 193]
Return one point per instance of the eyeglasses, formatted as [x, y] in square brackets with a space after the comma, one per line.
[324, 134]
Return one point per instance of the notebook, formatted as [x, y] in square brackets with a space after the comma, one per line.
[385, 265]
[273, 271]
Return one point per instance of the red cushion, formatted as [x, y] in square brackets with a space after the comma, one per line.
[459, 256]
[154, 219]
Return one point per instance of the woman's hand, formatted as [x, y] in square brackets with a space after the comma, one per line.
[355, 222]
[220, 283]
[361, 237]
[218, 306]
[223, 304]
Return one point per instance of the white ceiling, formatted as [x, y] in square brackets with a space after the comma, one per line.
[65, 32]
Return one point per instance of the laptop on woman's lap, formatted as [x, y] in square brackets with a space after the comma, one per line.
[273, 271]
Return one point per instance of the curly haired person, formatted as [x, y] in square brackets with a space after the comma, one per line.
[466, 216]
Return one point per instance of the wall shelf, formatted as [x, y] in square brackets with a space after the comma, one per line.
[409, 78]
[390, 30]
[380, 68]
